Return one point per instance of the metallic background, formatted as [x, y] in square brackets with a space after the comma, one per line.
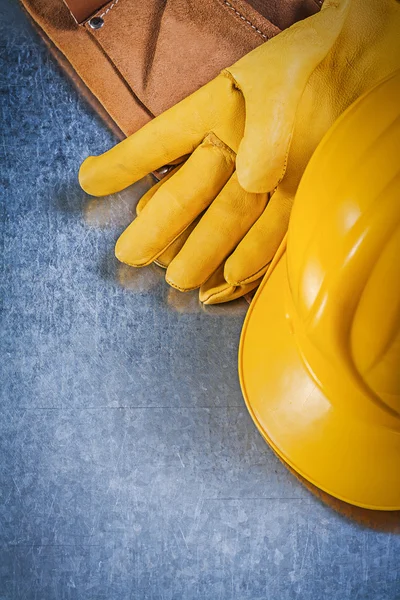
[129, 467]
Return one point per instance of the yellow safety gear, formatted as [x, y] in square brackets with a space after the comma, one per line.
[320, 349]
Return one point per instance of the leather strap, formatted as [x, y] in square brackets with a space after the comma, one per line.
[82, 10]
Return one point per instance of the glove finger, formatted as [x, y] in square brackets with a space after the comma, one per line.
[216, 290]
[165, 259]
[272, 79]
[145, 199]
[221, 228]
[177, 203]
[171, 135]
[169, 254]
[252, 256]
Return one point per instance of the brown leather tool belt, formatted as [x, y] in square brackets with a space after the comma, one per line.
[138, 58]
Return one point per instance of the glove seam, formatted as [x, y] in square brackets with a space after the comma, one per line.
[218, 294]
[244, 281]
[285, 162]
[186, 289]
[228, 74]
[160, 264]
[136, 265]
[182, 289]
[215, 141]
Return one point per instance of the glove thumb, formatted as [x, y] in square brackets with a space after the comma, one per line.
[272, 79]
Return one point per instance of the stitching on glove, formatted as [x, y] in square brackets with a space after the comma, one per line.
[136, 265]
[243, 18]
[108, 9]
[181, 289]
[259, 273]
[161, 264]
[186, 289]
[213, 140]
[221, 294]
[285, 162]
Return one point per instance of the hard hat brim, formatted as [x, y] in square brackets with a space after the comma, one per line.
[352, 459]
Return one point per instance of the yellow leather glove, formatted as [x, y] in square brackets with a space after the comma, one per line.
[366, 50]
[271, 109]
[248, 109]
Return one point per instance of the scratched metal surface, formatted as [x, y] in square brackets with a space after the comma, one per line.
[129, 466]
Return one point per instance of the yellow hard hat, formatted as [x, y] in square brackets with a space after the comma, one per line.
[319, 357]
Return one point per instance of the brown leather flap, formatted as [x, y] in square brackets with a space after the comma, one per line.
[82, 10]
[167, 50]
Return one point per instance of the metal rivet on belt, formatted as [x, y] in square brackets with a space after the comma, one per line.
[96, 23]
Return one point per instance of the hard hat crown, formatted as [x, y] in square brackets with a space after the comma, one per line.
[344, 253]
